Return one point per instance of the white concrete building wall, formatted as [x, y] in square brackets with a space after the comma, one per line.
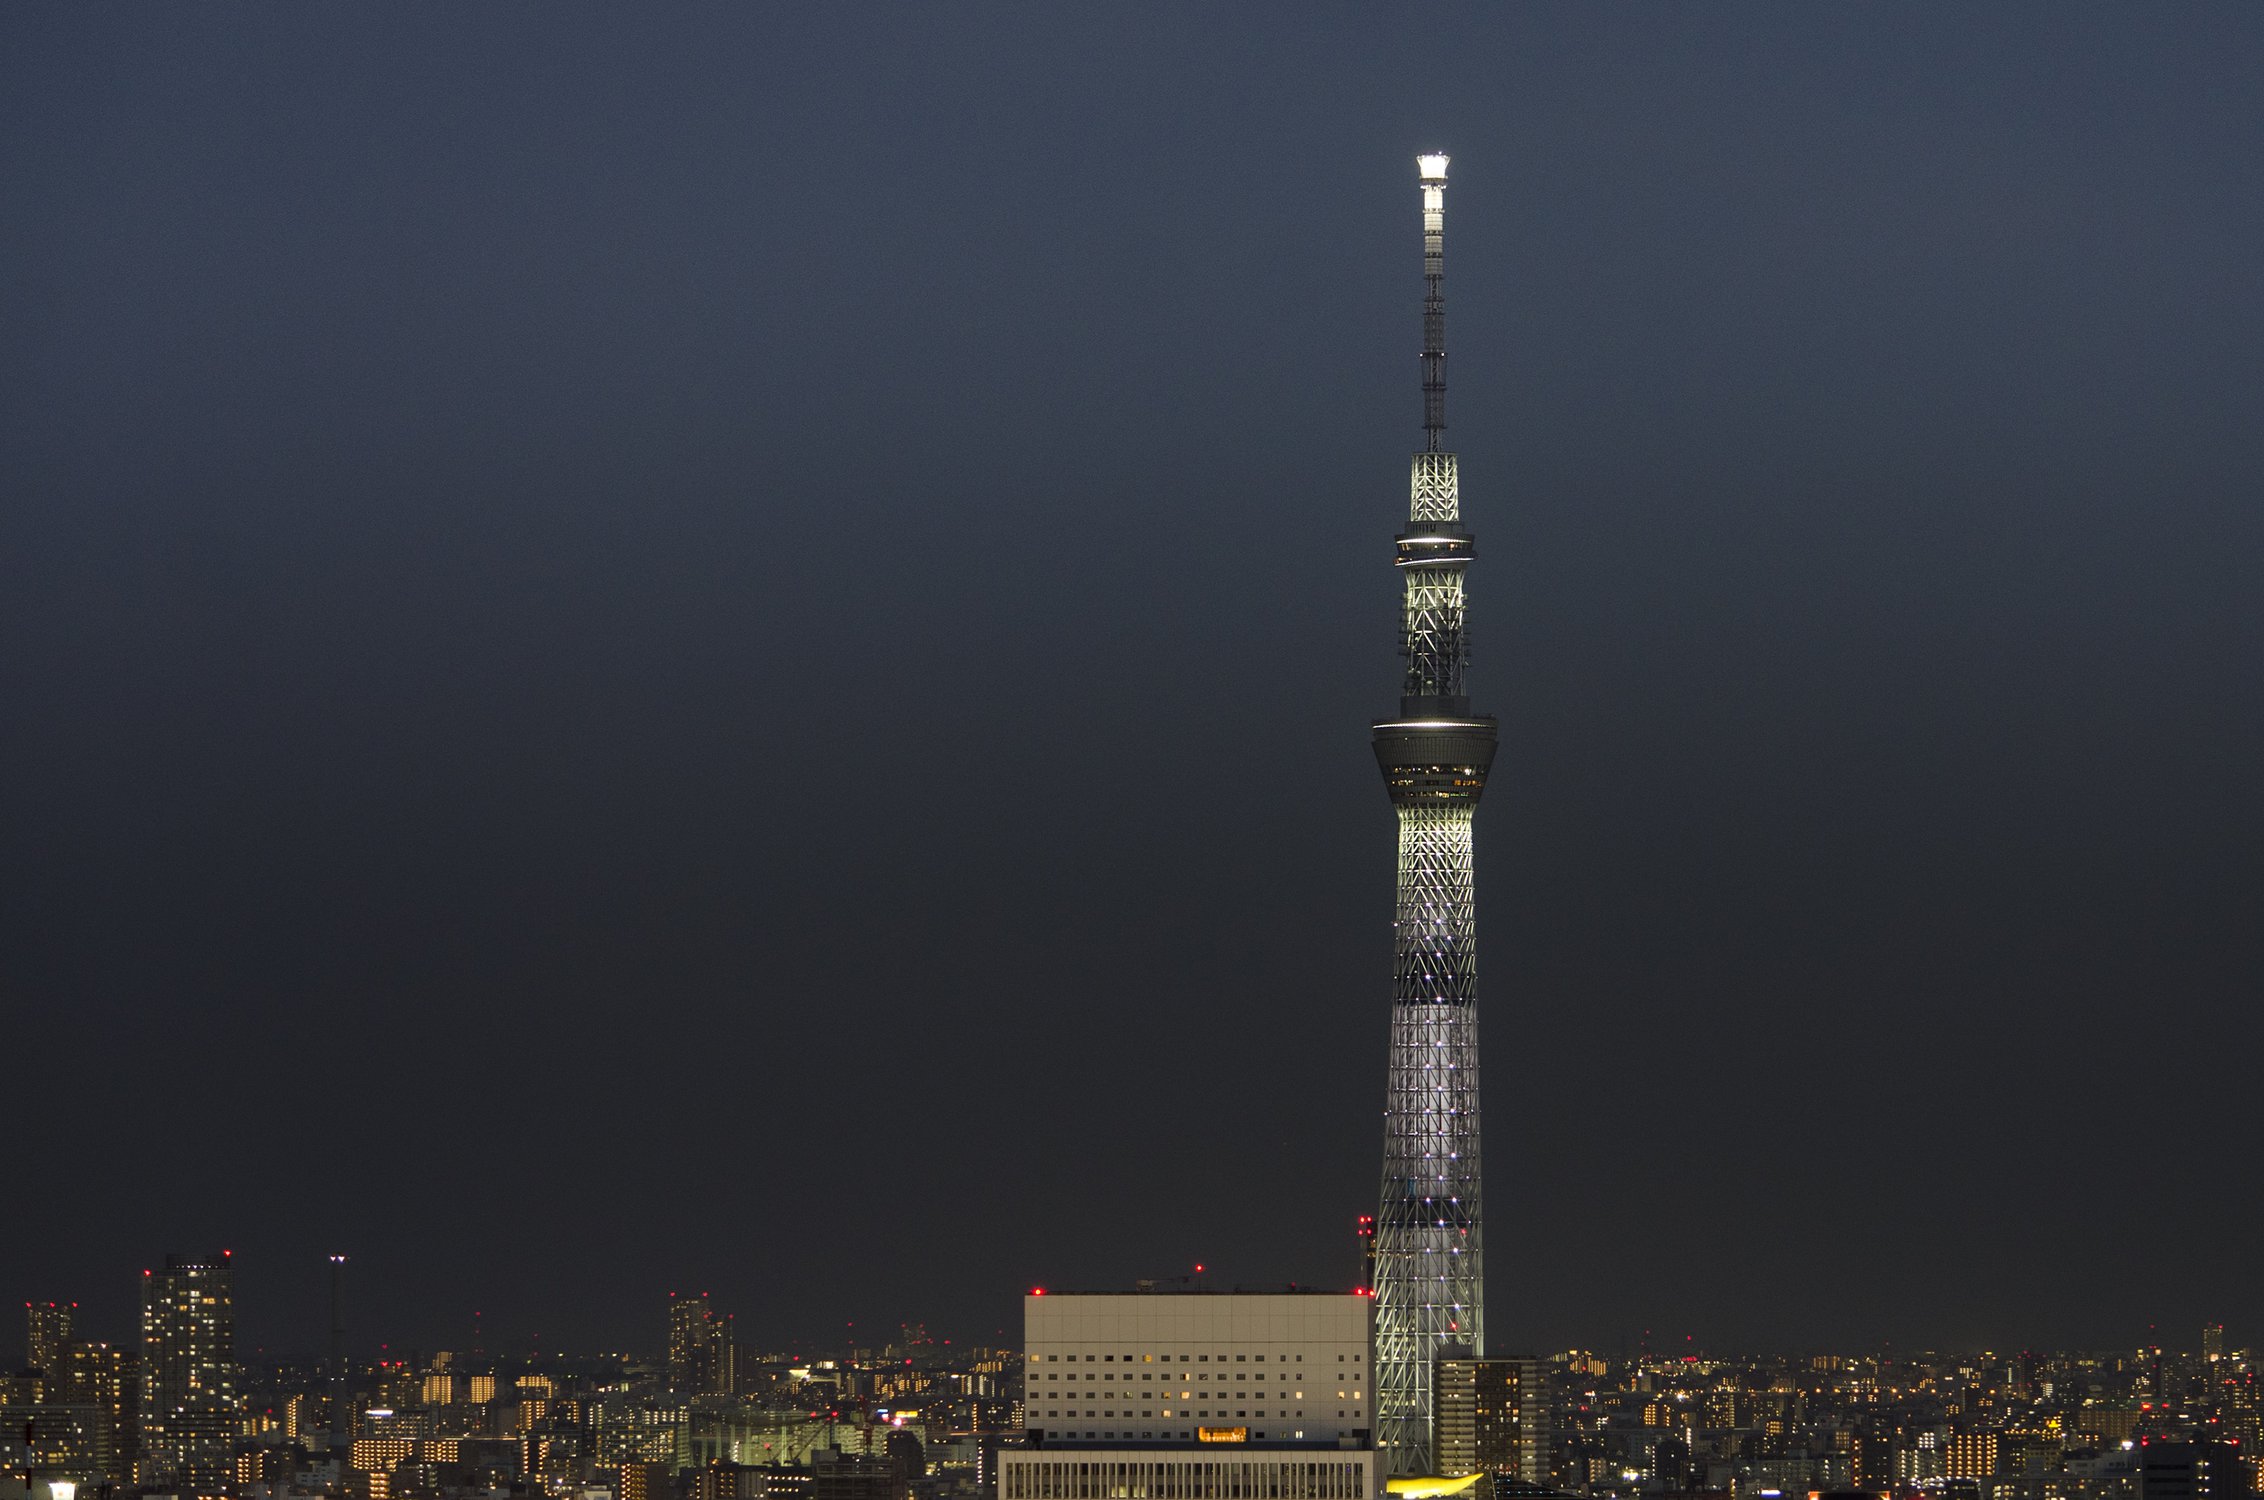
[1193, 1367]
[1188, 1474]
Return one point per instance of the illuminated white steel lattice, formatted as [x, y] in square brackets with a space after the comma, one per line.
[1428, 1244]
[1434, 633]
[1435, 955]
[1434, 490]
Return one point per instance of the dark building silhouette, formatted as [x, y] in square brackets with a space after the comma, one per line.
[2192, 1471]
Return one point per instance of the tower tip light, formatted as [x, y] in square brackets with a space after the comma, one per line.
[1433, 166]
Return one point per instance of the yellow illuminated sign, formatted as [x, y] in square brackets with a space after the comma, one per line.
[1429, 1486]
[1222, 1434]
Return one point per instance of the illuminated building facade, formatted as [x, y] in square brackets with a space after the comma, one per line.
[106, 1383]
[71, 1421]
[1429, 1267]
[381, 1455]
[47, 1330]
[1161, 1367]
[699, 1347]
[188, 1376]
[644, 1481]
[1970, 1455]
[1490, 1416]
[1197, 1395]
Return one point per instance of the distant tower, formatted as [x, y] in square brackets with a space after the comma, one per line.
[338, 1409]
[47, 1334]
[338, 1318]
[1429, 1279]
[188, 1370]
[699, 1347]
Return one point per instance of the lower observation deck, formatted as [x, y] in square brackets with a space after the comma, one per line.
[1432, 759]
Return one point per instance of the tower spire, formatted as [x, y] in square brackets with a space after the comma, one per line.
[1429, 1245]
[1433, 168]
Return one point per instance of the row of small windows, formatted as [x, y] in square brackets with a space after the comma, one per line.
[1205, 1412]
[1128, 1435]
[1146, 1375]
[1221, 1412]
[1178, 1480]
[1183, 1358]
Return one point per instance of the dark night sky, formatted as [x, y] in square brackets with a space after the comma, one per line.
[733, 650]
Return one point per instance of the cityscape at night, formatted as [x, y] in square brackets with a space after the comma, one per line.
[687, 816]
[909, 1414]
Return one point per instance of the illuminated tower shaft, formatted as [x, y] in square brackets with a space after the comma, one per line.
[1428, 1248]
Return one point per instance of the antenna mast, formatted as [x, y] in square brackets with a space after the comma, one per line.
[1433, 169]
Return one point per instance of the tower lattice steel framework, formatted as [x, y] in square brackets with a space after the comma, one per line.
[1429, 1276]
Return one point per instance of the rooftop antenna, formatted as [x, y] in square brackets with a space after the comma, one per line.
[1433, 169]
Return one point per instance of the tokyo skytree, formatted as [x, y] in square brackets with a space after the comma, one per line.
[1429, 1266]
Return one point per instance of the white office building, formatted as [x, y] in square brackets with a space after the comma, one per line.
[1153, 1395]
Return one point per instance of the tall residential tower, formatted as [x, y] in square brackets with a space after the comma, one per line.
[188, 1376]
[1429, 1278]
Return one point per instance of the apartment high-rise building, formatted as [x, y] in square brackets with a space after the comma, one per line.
[105, 1382]
[721, 1479]
[700, 1356]
[1199, 1395]
[644, 1481]
[189, 1409]
[1971, 1455]
[2192, 1471]
[47, 1331]
[44, 1442]
[69, 1414]
[1490, 1416]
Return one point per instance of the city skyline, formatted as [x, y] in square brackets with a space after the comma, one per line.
[729, 655]
[654, 1343]
[1203, 1381]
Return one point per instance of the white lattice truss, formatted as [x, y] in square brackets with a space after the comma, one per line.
[1434, 490]
[1433, 634]
[1429, 1261]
